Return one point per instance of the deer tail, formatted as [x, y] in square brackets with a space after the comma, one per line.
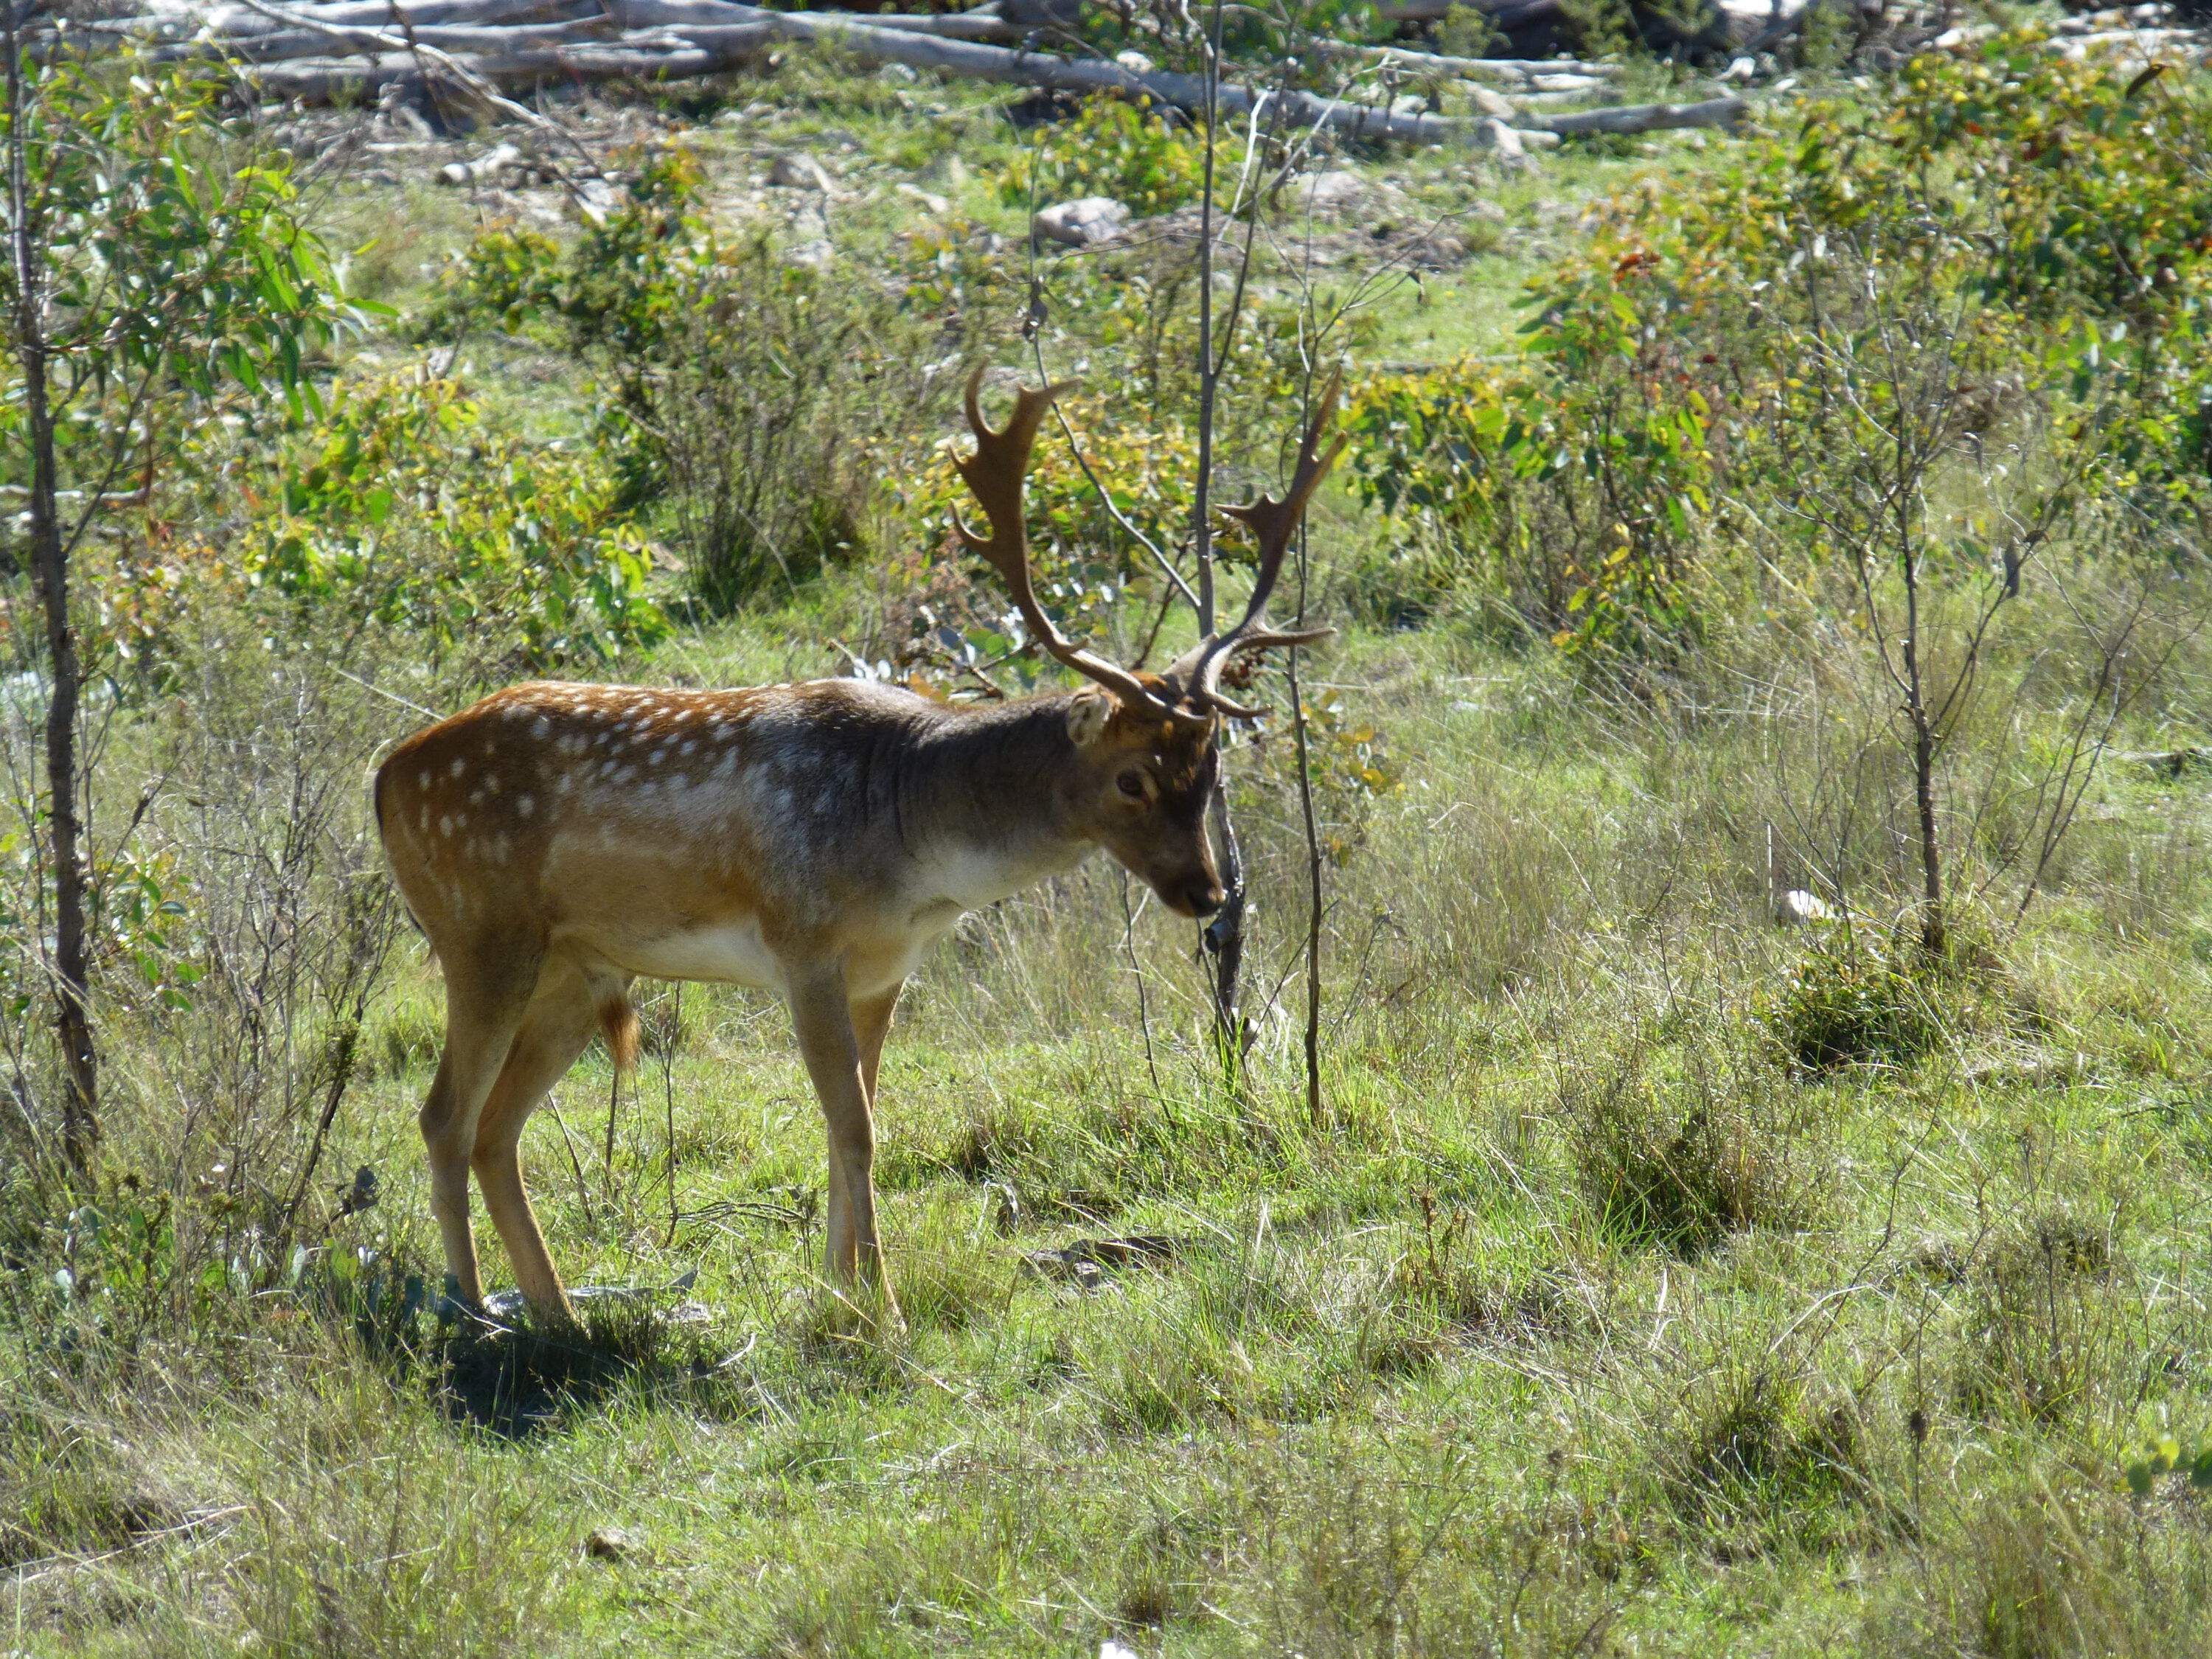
[618, 1024]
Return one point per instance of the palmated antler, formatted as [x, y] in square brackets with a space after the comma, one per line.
[1196, 676]
[995, 475]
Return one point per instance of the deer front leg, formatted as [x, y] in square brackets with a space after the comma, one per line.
[823, 1020]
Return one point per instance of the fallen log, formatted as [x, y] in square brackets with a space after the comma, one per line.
[676, 38]
[1464, 69]
[306, 43]
[983, 23]
[242, 23]
[1512, 20]
[1642, 118]
[325, 80]
[972, 61]
[1510, 72]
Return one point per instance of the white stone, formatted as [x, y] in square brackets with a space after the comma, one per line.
[1744, 20]
[1336, 192]
[486, 169]
[1079, 223]
[1487, 102]
[799, 171]
[1799, 909]
[1135, 61]
[1492, 134]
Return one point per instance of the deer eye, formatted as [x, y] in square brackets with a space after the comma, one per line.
[1132, 785]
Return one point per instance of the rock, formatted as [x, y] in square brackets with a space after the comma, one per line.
[799, 171]
[1086, 1263]
[810, 237]
[607, 1544]
[1492, 134]
[486, 169]
[1535, 138]
[1487, 102]
[947, 170]
[1135, 61]
[1338, 192]
[1489, 212]
[1437, 252]
[934, 203]
[1799, 909]
[595, 199]
[1080, 223]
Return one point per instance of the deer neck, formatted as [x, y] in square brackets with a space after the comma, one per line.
[993, 810]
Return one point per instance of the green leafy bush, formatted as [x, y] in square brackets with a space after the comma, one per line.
[1848, 1002]
[748, 402]
[402, 506]
[1141, 157]
[1619, 485]
[1678, 1148]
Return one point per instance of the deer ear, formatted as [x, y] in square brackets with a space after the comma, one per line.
[1087, 717]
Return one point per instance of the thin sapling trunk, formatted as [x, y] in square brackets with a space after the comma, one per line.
[49, 573]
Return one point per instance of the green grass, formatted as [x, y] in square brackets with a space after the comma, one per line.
[1419, 1379]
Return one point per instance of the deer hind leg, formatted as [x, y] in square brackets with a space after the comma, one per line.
[828, 1040]
[485, 1000]
[560, 1022]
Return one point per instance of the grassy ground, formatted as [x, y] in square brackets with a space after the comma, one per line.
[1584, 1321]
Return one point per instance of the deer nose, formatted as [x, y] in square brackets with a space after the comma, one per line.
[1202, 897]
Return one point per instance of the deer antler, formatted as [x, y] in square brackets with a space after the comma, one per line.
[995, 475]
[1197, 674]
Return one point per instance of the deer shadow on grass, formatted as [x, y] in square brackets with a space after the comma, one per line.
[519, 1377]
[502, 1371]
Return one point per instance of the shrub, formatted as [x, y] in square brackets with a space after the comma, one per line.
[753, 400]
[403, 508]
[1681, 1155]
[1129, 151]
[1848, 1003]
[769, 409]
[2042, 1325]
[1750, 1450]
[2027, 213]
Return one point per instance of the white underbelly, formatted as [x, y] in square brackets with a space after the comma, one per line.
[730, 954]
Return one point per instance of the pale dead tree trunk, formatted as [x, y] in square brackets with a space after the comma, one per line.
[49, 573]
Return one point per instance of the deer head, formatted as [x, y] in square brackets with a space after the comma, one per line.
[1148, 738]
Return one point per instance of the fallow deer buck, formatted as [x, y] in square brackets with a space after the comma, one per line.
[556, 841]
